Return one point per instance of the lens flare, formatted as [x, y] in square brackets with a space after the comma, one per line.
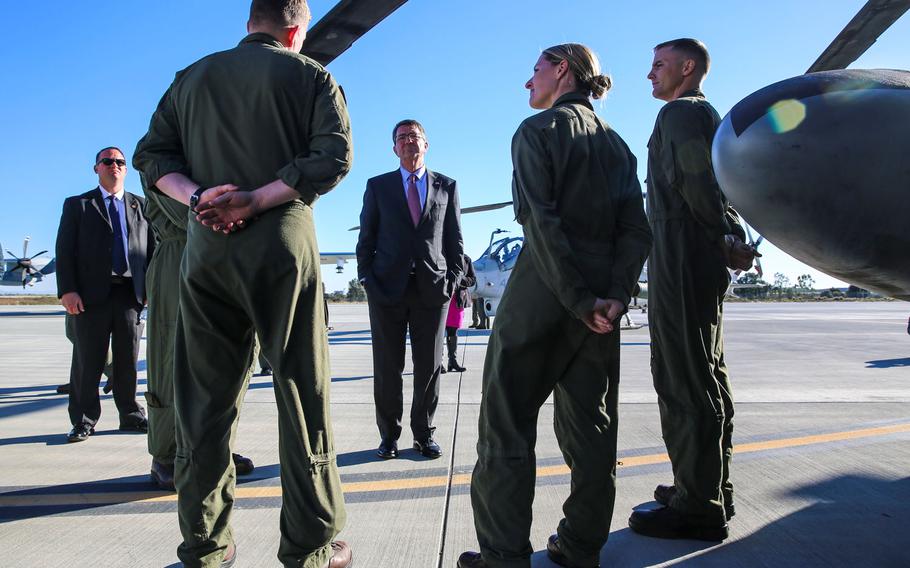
[786, 115]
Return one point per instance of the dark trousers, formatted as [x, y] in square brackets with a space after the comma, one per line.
[538, 348]
[114, 322]
[229, 293]
[390, 325]
[452, 344]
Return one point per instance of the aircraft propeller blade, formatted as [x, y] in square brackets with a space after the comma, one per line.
[490, 207]
[863, 30]
[12, 255]
[343, 25]
[39, 254]
[25, 247]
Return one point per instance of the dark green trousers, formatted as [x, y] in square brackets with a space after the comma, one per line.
[163, 285]
[262, 280]
[685, 316]
[538, 348]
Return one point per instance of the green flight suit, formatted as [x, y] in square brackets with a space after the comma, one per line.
[586, 236]
[169, 219]
[247, 116]
[688, 278]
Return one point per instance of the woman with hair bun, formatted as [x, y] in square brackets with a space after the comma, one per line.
[577, 196]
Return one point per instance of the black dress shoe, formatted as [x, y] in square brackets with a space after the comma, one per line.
[454, 366]
[555, 553]
[663, 494]
[230, 556]
[162, 475]
[242, 464]
[342, 556]
[108, 386]
[80, 432]
[428, 448]
[265, 371]
[134, 424]
[388, 449]
[63, 389]
[667, 522]
[471, 560]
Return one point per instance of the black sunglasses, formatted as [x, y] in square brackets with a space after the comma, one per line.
[109, 161]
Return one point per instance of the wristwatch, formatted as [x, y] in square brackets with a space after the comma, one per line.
[194, 199]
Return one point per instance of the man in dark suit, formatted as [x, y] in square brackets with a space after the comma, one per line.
[409, 257]
[103, 246]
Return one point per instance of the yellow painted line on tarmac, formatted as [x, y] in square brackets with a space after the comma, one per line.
[242, 492]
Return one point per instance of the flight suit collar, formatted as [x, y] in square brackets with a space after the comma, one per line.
[693, 93]
[574, 97]
[261, 37]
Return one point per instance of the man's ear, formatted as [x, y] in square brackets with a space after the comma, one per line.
[688, 67]
[296, 33]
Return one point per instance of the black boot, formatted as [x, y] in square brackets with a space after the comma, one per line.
[452, 346]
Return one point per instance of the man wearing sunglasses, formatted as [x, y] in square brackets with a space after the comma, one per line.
[103, 246]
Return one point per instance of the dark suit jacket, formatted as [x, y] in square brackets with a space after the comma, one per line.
[84, 244]
[390, 244]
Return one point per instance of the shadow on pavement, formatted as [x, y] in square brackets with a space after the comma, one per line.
[60, 312]
[76, 497]
[405, 453]
[356, 337]
[888, 363]
[855, 521]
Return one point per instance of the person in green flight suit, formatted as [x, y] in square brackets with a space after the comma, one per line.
[696, 237]
[249, 138]
[168, 218]
[556, 331]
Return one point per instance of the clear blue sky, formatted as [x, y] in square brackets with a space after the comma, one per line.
[80, 76]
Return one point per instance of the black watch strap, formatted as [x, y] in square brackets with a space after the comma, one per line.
[194, 199]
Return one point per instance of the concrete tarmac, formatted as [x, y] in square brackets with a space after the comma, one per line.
[822, 464]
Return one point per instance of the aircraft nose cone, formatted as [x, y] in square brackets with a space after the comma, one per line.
[818, 164]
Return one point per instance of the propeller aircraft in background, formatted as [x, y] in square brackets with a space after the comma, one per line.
[25, 270]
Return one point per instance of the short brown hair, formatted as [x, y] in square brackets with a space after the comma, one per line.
[408, 122]
[691, 48]
[279, 13]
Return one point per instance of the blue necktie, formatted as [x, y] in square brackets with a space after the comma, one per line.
[119, 259]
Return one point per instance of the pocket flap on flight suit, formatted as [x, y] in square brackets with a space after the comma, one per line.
[152, 400]
[319, 460]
